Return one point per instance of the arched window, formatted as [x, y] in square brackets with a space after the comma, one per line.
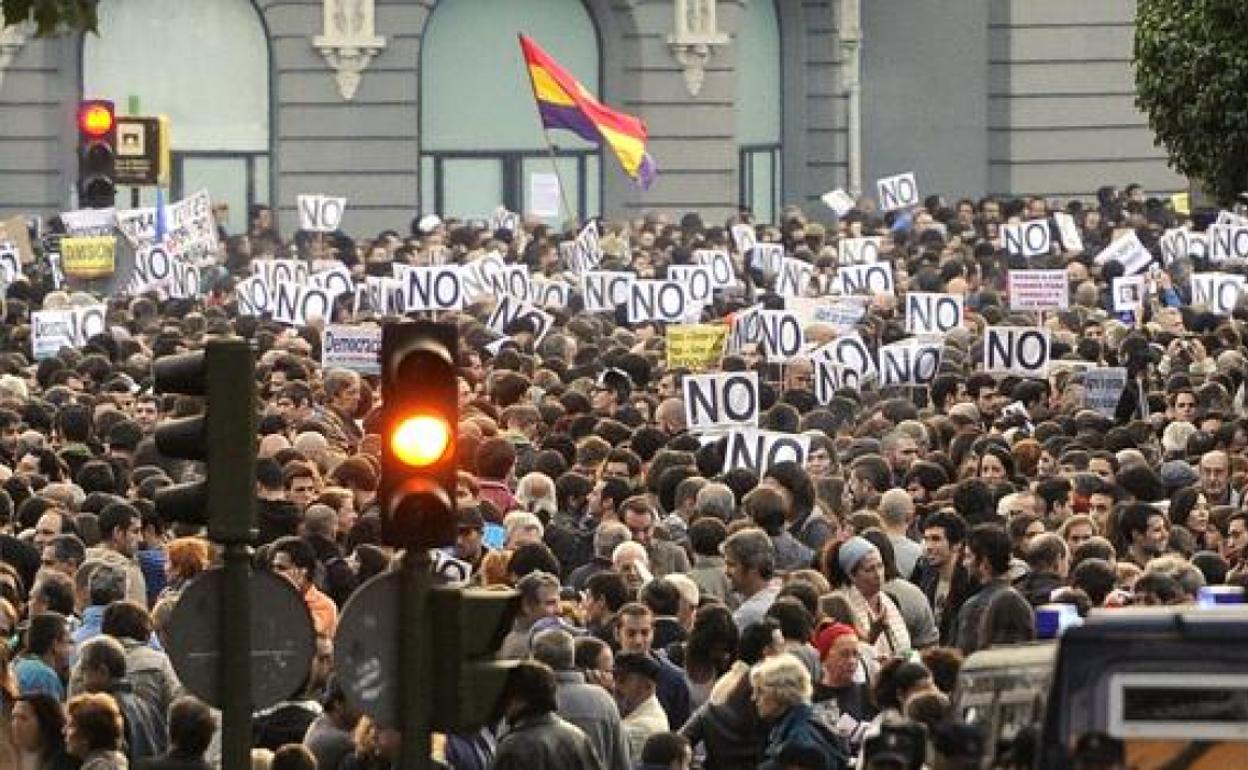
[206, 66]
[480, 135]
[758, 109]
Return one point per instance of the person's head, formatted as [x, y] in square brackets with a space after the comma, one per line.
[187, 557]
[779, 683]
[539, 595]
[121, 528]
[293, 756]
[293, 558]
[191, 725]
[37, 724]
[943, 534]
[1008, 619]
[1143, 529]
[987, 554]
[127, 620]
[639, 516]
[47, 637]
[856, 562]
[837, 644]
[64, 554]
[102, 661]
[94, 724]
[1215, 475]
[556, 648]
[669, 751]
[634, 629]
[749, 559]
[631, 560]
[529, 691]
[636, 679]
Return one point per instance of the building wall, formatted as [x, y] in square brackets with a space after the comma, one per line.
[1062, 119]
[814, 127]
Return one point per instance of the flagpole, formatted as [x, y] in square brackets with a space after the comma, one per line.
[550, 148]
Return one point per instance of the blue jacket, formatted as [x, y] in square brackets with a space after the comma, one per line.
[800, 735]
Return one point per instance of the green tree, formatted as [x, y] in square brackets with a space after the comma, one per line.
[1191, 78]
[52, 16]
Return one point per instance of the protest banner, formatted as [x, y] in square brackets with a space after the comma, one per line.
[783, 338]
[299, 304]
[320, 213]
[1129, 252]
[743, 235]
[51, 330]
[829, 377]
[720, 262]
[654, 300]
[720, 400]
[1128, 292]
[357, 348]
[433, 288]
[604, 290]
[1026, 239]
[794, 278]
[1102, 389]
[88, 258]
[253, 296]
[767, 257]
[852, 352]
[1039, 290]
[867, 280]
[758, 450]
[1227, 242]
[928, 313]
[859, 251]
[745, 329]
[1068, 232]
[335, 279]
[587, 249]
[898, 192]
[839, 201]
[544, 293]
[842, 312]
[277, 271]
[909, 362]
[1219, 292]
[696, 347]
[15, 231]
[89, 222]
[1021, 350]
[509, 311]
[697, 279]
[478, 276]
[10, 262]
[190, 230]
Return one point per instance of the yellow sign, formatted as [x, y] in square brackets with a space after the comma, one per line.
[88, 257]
[697, 347]
[1182, 203]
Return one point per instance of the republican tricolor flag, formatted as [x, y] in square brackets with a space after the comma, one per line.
[564, 103]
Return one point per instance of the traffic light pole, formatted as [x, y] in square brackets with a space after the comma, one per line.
[236, 710]
[416, 664]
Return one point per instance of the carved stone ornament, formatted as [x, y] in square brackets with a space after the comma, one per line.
[348, 43]
[694, 39]
[11, 41]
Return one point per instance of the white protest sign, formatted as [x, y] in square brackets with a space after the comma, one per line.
[502, 219]
[509, 310]
[186, 280]
[1128, 251]
[544, 293]
[1128, 293]
[933, 313]
[51, 330]
[850, 351]
[1180, 243]
[432, 288]
[604, 290]
[1068, 232]
[794, 278]
[544, 195]
[839, 201]
[1026, 239]
[831, 377]
[898, 192]
[320, 213]
[720, 400]
[1039, 290]
[357, 348]
[587, 249]
[842, 312]
[868, 279]
[653, 300]
[1102, 389]
[909, 362]
[697, 279]
[860, 251]
[298, 305]
[1228, 242]
[743, 235]
[155, 269]
[478, 275]
[10, 262]
[88, 222]
[512, 280]
[336, 280]
[90, 320]
[783, 338]
[190, 230]
[1020, 350]
[746, 329]
[758, 450]
[1219, 292]
[254, 296]
[276, 271]
[720, 264]
[1229, 218]
[767, 257]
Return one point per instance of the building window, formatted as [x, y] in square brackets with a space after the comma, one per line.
[759, 109]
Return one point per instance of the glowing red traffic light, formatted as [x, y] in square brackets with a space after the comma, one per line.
[95, 119]
[421, 440]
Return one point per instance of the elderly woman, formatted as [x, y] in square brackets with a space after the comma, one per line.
[781, 690]
[93, 732]
[856, 568]
[188, 557]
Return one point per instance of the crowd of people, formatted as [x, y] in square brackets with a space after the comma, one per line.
[674, 612]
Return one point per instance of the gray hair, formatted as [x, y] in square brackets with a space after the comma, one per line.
[320, 520]
[785, 677]
[752, 549]
[531, 585]
[896, 507]
[556, 648]
[609, 536]
[716, 500]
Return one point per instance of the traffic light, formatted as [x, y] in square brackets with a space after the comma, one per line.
[97, 154]
[223, 437]
[420, 418]
[468, 628]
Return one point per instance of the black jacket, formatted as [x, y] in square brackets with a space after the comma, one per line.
[276, 518]
[174, 760]
[545, 742]
[334, 575]
[1038, 587]
[731, 732]
[927, 579]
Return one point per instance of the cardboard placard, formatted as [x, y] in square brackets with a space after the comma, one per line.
[860, 251]
[432, 288]
[604, 290]
[357, 348]
[909, 362]
[795, 276]
[654, 300]
[697, 279]
[508, 310]
[1102, 389]
[714, 401]
[88, 258]
[720, 262]
[868, 280]
[1129, 251]
[1219, 292]
[758, 450]
[839, 201]
[1129, 292]
[320, 213]
[783, 338]
[1039, 290]
[696, 347]
[898, 192]
[1026, 239]
[1021, 350]
[830, 377]
[928, 313]
[298, 305]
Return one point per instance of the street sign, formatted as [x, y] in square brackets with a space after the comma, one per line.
[283, 642]
[366, 648]
[142, 150]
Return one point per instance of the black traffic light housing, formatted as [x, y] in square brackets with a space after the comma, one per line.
[468, 627]
[97, 154]
[223, 437]
[418, 379]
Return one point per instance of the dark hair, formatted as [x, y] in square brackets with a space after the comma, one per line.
[98, 719]
[588, 649]
[662, 749]
[795, 621]
[43, 631]
[1096, 578]
[1008, 619]
[706, 535]
[796, 480]
[755, 639]
[116, 515]
[300, 553]
[610, 587]
[50, 716]
[533, 557]
[951, 522]
[533, 683]
[713, 640]
[661, 597]
[990, 542]
[191, 725]
[127, 620]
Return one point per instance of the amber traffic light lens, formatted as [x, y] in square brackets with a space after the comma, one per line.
[421, 440]
[96, 120]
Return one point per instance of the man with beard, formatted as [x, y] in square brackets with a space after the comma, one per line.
[940, 574]
[1145, 532]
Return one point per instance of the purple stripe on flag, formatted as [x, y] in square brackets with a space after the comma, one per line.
[570, 118]
[647, 171]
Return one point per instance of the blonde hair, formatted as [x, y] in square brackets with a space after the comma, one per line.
[786, 677]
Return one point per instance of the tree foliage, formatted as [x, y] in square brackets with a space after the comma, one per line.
[1191, 77]
[52, 16]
